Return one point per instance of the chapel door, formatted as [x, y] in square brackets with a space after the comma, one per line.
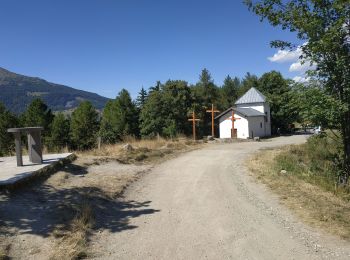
[234, 133]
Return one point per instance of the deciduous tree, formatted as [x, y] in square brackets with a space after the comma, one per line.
[165, 111]
[324, 26]
[282, 99]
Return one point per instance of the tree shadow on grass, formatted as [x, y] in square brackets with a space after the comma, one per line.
[42, 209]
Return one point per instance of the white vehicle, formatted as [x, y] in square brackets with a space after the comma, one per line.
[317, 130]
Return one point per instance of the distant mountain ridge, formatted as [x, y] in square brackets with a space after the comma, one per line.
[17, 91]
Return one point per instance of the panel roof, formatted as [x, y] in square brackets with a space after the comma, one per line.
[246, 112]
[251, 96]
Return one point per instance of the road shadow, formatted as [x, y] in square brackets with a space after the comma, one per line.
[41, 209]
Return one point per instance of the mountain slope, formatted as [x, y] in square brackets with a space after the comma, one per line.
[17, 91]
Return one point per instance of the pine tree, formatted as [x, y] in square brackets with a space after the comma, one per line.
[205, 93]
[207, 88]
[248, 82]
[157, 87]
[59, 136]
[38, 114]
[84, 126]
[229, 91]
[141, 99]
[7, 120]
[120, 118]
[151, 116]
[129, 111]
[109, 127]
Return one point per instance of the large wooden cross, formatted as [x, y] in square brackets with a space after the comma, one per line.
[233, 119]
[212, 111]
[194, 119]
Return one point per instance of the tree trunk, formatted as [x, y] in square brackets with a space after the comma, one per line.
[346, 148]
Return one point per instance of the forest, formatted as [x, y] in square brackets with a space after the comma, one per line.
[162, 110]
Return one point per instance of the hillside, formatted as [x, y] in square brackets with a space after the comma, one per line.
[17, 91]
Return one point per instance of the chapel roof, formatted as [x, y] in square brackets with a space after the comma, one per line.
[245, 112]
[251, 96]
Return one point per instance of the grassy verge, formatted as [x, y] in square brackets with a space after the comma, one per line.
[72, 240]
[141, 150]
[304, 177]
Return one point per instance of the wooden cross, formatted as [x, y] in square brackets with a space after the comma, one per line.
[212, 111]
[194, 119]
[233, 119]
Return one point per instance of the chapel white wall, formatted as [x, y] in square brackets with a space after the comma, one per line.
[241, 125]
[257, 106]
[257, 126]
[268, 122]
[225, 128]
[263, 108]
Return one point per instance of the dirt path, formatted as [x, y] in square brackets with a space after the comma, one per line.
[204, 205]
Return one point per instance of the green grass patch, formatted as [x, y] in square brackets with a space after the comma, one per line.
[315, 162]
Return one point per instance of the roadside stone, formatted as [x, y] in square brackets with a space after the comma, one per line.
[210, 138]
[257, 139]
[128, 148]
[283, 172]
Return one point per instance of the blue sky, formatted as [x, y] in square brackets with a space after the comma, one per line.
[106, 45]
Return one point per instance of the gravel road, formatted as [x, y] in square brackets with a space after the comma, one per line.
[205, 205]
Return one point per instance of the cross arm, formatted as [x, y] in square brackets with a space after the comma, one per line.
[215, 111]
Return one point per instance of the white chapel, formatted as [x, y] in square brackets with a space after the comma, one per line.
[251, 117]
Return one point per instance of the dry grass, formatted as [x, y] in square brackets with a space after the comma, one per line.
[104, 181]
[316, 206]
[5, 247]
[109, 177]
[4, 253]
[73, 243]
[145, 150]
[46, 150]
